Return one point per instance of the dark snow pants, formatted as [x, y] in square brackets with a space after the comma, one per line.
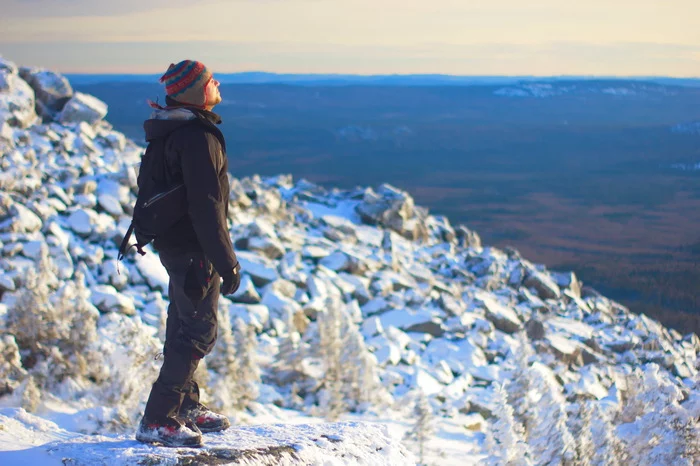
[190, 333]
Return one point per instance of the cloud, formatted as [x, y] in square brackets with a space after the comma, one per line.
[554, 58]
[68, 8]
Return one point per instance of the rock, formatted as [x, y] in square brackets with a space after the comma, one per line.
[503, 318]
[82, 107]
[6, 282]
[393, 209]
[280, 306]
[450, 305]
[546, 287]
[260, 272]
[569, 281]
[337, 261]
[433, 328]
[467, 238]
[246, 292]
[22, 220]
[107, 299]
[17, 102]
[83, 221]
[269, 247]
[535, 329]
[51, 89]
[566, 350]
[256, 315]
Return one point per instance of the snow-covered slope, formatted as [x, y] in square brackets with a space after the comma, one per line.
[355, 306]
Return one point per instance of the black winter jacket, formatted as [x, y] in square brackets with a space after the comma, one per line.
[195, 153]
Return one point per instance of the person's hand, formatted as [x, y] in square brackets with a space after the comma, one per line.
[232, 280]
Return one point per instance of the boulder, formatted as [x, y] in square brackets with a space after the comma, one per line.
[17, 102]
[107, 299]
[502, 317]
[51, 89]
[246, 292]
[82, 107]
[545, 286]
[394, 209]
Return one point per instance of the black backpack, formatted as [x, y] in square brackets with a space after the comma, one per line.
[159, 204]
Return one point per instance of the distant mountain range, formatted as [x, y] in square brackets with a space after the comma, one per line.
[256, 77]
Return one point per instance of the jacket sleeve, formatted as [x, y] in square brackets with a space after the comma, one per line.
[201, 161]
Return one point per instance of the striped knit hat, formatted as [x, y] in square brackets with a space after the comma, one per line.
[186, 82]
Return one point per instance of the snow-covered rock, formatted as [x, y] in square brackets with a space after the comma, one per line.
[82, 107]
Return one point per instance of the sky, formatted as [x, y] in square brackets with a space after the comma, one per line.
[463, 37]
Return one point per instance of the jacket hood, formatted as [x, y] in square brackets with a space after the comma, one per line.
[164, 121]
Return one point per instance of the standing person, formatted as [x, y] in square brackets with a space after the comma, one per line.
[196, 252]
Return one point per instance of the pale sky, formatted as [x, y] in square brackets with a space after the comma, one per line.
[465, 37]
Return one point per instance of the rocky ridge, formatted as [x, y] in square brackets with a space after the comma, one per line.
[439, 311]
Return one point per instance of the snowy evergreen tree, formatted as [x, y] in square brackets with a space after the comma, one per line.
[548, 435]
[520, 386]
[608, 449]
[224, 365]
[248, 377]
[582, 426]
[655, 428]
[505, 436]
[351, 380]
[424, 427]
[32, 318]
[129, 351]
[331, 401]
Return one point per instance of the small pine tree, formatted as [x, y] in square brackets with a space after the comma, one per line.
[32, 318]
[224, 365]
[505, 437]
[424, 427]
[331, 398]
[519, 389]
[661, 426]
[608, 449]
[248, 380]
[549, 438]
[585, 447]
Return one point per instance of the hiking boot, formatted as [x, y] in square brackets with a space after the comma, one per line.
[171, 432]
[205, 419]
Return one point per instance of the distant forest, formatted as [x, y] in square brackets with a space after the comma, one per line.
[577, 175]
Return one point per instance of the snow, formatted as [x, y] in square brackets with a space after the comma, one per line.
[27, 439]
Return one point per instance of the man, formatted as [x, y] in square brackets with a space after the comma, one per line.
[196, 252]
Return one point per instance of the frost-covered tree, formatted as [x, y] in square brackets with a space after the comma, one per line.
[11, 371]
[129, 351]
[351, 372]
[608, 449]
[32, 318]
[581, 427]
[331, 400]
[424, 427]
[505, 436]
[248, 377]
[520, 387]
[55, 328]
[549, 438]
[224, 366]
[654, 426]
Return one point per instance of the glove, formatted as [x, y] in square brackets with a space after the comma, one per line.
[232, 280]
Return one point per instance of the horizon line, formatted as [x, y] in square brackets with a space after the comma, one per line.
[363, 75]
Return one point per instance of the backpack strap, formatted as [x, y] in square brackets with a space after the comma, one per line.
[125, 247]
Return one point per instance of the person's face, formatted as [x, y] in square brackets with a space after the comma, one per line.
[212, 92]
